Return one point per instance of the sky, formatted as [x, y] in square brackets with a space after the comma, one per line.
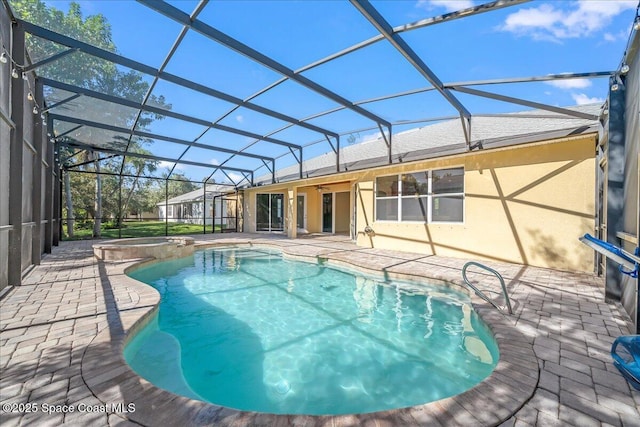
[533, 39]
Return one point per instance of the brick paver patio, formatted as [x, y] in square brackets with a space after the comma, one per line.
[51, 330]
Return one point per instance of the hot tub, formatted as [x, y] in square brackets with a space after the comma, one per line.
[144, 247]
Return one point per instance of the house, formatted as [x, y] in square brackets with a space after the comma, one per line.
[524, 194]
[189, 207]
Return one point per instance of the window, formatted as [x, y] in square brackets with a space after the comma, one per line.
[427, 196]
[414, 197]
[448, 195]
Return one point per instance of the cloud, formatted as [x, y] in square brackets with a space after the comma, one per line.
[620, 35]
[222, 178]
[581, 99]
[570, 83]
[214, 162]
[553, 23]
[529, 20]
[450, 5]
[240, 118]
[168, 165]
[236, 177]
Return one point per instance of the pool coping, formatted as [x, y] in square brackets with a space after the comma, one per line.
[106, 373]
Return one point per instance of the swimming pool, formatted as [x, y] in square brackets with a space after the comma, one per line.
[246, 329]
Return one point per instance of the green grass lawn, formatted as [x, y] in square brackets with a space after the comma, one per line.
[139, 229]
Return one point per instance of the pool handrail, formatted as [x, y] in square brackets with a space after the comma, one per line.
[482, 294]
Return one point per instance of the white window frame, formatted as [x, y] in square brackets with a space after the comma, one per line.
[430, 196]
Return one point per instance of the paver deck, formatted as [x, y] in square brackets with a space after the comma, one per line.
[59, 330]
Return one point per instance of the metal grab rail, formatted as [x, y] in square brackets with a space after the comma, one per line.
[479, 292]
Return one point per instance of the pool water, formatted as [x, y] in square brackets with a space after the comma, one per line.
[246, 329]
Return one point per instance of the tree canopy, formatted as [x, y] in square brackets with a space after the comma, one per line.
[105, 195]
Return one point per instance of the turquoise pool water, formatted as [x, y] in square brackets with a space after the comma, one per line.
[247, 329]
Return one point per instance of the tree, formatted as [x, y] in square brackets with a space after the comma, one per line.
[178, 184]
[136, 167]
[102, 76]
[77, 68]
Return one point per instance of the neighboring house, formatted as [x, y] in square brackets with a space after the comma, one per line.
[189, 207]
[140, 216]
[525, 196]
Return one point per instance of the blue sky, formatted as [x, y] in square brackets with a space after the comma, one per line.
[532, 39]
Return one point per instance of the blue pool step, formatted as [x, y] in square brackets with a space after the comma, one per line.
[627, 358]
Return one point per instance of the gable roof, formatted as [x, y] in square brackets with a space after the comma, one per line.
[196, 195]
[446, 138]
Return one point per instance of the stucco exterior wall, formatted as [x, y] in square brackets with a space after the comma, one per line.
[313, 200]
[342, 212]
[526, 204]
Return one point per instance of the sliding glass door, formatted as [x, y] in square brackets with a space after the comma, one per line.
[301, 216]
[269, 212]
[277, 212]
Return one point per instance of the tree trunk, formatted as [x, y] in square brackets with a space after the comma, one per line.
[97, 224]
[70, 213]
[125, 205]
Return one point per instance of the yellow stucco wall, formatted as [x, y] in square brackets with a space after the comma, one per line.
[314, 216]
[526, 204]
[313, 196]
[342, 208]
